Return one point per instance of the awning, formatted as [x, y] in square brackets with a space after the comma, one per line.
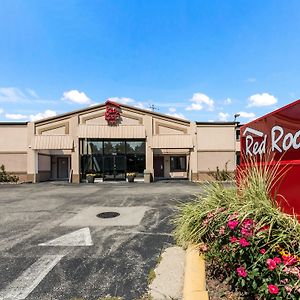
[52, 142]
[112, 132]
[172, 141]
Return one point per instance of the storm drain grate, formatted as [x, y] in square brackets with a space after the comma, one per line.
[108, 214]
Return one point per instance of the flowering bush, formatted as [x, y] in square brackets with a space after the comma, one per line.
[245, 237]
[241, 247]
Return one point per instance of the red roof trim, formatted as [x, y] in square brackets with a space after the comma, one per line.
[273, 112]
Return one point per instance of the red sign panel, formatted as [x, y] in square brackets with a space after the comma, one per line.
[112, 113]
[277, 135]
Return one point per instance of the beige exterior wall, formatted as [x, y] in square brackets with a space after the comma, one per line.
[212, 137]
[13, 138]
[13, 149]
[209, 161]
[14, 162]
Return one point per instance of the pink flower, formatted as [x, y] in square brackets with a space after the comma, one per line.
[248, 223]
[271, 264]
[262, 251]
[233, 239]
[273, 289]
[222, 230]
[277, 260]
[289, 260]
[233, 216]
[203, 247]
[232, 224]
[246, 232]
[210, 215]
[288, 288]
[241, 272]
[243, 242]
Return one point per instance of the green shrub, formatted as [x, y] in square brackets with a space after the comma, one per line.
[222, 175]
[245, 236]
[5, 177]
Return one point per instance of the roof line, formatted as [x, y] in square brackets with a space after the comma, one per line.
[12, 123]
[103, 104]
[274, 111]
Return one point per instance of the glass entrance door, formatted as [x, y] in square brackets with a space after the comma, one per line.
[114, 167]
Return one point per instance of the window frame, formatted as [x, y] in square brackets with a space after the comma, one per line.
[178, 157]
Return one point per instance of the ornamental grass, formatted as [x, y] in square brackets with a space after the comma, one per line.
[244, 235]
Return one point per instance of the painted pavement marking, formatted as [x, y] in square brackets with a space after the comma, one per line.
[21, 287]
[81, 237]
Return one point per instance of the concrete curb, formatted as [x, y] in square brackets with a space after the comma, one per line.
[194, 279]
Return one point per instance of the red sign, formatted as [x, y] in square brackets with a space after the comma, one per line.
[278, 135]
[112, 113]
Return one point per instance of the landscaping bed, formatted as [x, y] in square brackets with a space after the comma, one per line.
[251, 247]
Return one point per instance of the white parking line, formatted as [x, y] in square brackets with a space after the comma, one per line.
[21, 287]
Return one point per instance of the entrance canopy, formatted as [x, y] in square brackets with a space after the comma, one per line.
[53, 142]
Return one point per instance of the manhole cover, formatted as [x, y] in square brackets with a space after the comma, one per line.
[108, 214]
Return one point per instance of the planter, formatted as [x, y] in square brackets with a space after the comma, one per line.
[90, 179]
[130, 178]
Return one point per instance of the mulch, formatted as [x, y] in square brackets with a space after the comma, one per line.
[218, 287]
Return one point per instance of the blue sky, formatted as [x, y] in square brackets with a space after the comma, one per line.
[201, 60]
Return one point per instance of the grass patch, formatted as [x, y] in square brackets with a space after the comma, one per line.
[151, 276]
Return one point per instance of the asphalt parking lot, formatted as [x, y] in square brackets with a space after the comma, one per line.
[53, 246]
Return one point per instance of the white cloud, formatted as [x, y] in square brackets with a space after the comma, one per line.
[246, 115]
[33, 93]
[1, 111]
[122, 100]
[227, 101]
[177, 115]
[42, 115]
[11, 94]
[173, 113]
[15, 116]
[76, 97]
[223, 116]
[142, 105]
[201, 101]
[264, 99]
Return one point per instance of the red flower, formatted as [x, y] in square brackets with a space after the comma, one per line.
[262, 251]
[277, 260]
[273, 289]
[232, 224]
[233, 239]
[264, 228]
[246, 232]
[271, 264]
[241, 272]
[289, 260]
[243, 242]
[248, 223]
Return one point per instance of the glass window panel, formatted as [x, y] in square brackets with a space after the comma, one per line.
[98, 163]
[136, 147]
[136, 163]
[95, 147]
[86, 163]
[178, 163]
[114, 147]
